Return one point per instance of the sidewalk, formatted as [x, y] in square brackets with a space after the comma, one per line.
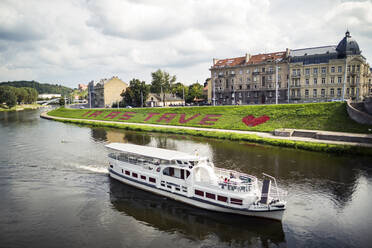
[327, 137]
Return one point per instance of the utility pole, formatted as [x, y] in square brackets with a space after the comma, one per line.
[345, 75]
[214, 93]
[276, 84]
[183, 95]
[141, 99]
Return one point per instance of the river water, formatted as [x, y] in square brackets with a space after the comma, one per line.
[55, 192]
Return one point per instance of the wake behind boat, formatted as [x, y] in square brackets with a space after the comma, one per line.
[196, 181]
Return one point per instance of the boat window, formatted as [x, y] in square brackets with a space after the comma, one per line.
[199, 192]
[222, 198]
[143, 177]
[179, 162]
[185, 162]
[111, 166]
[151, 179]
[187, 174]
[134, 174]
[211, 196]
[127, 173]
[166, 171]
[236, 201]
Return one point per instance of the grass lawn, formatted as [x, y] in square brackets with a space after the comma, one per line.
[315, 116]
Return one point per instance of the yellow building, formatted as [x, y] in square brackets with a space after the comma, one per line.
[106, 92]
[329, 73]
[316, 74]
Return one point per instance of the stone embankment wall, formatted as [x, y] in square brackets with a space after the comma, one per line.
[353, 109]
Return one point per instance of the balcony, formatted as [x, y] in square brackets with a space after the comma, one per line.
[221, 75]
[296, 75]
[255, 73]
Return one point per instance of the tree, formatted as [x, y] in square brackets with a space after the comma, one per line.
[161, 80]
[22, 95]
[136, 94]
[8, 96]
[31, 95]
[195, 91]
[179, 90]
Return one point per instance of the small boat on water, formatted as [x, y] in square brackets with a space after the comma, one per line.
[196, 181]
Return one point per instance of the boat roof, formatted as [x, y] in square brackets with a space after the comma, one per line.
[153, 152]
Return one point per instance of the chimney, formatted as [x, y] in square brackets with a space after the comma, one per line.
[247, 57]
[214, 61]
[287, 52]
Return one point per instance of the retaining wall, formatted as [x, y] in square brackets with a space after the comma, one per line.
[357, 115]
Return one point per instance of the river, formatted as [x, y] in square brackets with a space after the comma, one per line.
[55, 192]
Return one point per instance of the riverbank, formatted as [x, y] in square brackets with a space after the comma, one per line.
[22, 107]
[261, 118]
[235, 135]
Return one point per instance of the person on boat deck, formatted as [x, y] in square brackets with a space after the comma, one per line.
[225, 180]
[232, 175]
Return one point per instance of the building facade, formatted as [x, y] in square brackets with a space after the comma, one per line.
[163, 100]
[252, 79]
[106, 92]
[316, 74]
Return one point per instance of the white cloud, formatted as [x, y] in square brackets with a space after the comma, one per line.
[76, 41]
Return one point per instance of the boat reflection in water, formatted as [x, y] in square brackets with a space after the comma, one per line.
[171, 216]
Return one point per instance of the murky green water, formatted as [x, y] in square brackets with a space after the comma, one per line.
[55, 192]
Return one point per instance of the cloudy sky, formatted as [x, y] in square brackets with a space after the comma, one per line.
[75, 41]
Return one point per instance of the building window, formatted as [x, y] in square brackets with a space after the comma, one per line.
[306, 93]
[240, 72]
[270, 94]
[332, 92]
[339, 79]
[315, 93]
[254, 79]
[248, 71]
[256, 94]
[240, 87]
[339, 69]
[279, 77]
[307, 81]
[315, 81]
[323, 92]
[358, 68]
[338, 91]
[332, 80]
[323, 80]
[332, 69]
[307, 71]
[347, 91]
[324, 70]
[263, 69]
[248, 79]
[248, 87]
[293, 93]
[348, 68]
[315, 70]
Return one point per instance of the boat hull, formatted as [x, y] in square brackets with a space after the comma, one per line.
[273, 214]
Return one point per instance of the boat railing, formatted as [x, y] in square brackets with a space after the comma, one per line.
[147, 164]
[275, 192]
[235, 181]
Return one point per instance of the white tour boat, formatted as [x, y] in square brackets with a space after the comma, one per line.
[194, 180]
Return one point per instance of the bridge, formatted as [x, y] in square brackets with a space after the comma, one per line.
[46, 102]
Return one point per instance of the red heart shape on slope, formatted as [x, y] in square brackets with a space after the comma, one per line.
[250, 121]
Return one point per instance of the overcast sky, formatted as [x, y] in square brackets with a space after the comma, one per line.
[71, 42]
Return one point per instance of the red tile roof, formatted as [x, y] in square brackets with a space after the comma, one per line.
[260, 58]
[230, 62]
[255, 59]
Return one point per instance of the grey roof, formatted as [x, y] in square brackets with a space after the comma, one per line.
[348, 45]
[313, 51]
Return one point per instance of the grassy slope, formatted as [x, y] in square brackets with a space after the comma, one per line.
[316, 116]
